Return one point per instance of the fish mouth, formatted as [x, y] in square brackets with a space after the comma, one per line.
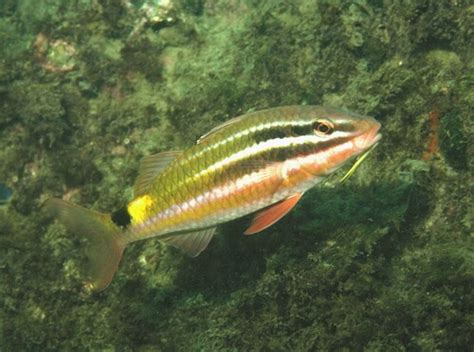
[369, 137]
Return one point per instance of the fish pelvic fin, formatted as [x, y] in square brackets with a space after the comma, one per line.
[192, 243]
[106, 242]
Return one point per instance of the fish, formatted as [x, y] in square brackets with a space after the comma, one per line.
[260, 163]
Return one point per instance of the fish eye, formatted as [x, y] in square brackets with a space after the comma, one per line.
[323, 127]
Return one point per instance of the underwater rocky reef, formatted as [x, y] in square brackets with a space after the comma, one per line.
[384, 261]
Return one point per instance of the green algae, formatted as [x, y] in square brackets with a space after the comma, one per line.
[382, 262]
[453, 139]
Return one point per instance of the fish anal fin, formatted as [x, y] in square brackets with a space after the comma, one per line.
[271, 215]
[150, 167]
[192, 243]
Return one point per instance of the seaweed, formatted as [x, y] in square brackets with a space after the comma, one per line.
[382, 262]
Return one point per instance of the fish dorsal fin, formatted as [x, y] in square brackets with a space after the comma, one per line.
[271, 215]
[192, 243]
[150, 167]
[220, 128]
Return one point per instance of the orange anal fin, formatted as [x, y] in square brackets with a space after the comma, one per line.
[271, 215]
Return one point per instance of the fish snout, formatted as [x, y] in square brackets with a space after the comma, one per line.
[369, 136]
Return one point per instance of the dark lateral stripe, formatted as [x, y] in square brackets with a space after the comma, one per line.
[282, 154]
[328, 144]
[346, 127]
[281, 132]
[264, 157]
[281, 129]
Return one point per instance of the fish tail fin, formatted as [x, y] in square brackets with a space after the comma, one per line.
[105, 240]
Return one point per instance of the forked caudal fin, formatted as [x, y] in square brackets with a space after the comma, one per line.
[105, 240]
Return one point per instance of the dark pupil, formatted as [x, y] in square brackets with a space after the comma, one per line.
[323, 128]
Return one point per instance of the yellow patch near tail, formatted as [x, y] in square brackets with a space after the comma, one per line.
[138, 207]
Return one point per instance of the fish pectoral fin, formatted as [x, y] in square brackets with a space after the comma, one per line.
[271, 215]
[150, 167]
[191, 243]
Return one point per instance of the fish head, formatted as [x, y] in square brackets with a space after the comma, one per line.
[336, 137]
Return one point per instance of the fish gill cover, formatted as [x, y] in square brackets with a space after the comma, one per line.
[383, 261]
